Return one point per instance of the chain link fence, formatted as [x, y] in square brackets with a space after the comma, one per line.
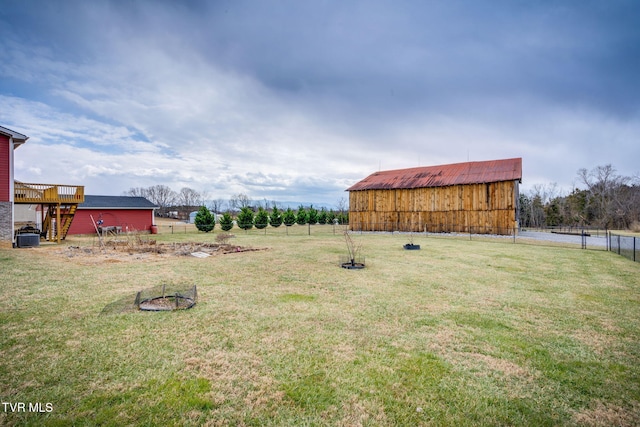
[585, 238]
[627, 246]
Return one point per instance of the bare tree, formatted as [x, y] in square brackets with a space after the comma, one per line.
[137, 192]
[204, 197]
[188, 197]
[606, 188]
[239, 201]
[216, 205]
[162, 196]
[539, 196]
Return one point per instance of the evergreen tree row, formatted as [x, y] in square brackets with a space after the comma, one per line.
[247, 218]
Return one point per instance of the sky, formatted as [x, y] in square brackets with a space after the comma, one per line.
[297, 100]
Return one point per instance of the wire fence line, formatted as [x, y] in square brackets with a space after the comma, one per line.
[627, 246]
[591, 239]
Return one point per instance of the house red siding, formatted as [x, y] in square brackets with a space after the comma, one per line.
[128, 219]
[5, 172]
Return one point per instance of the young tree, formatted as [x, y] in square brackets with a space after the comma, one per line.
[343, 206]
[322, 216]
[289, 218]
[301, 216]
[331, 216]
[205, 221]
[276, 217]
[352, 247]
[312, 215]
[226, 222]
[245, 218]
[262, 219]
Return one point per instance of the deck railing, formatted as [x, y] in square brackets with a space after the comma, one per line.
[47, 193]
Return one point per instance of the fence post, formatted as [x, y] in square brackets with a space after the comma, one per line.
[634, 249]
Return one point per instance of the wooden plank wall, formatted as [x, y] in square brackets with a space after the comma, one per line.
[477, 208]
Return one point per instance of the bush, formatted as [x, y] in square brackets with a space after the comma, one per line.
[289, 218]
[205, 221]
[226, 222]
[276, 218]
[301, 217]
[223, 238]
[312, 215]
[322, 216]
[245, 218]
[262, 219]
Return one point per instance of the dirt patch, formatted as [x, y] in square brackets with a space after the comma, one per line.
[120, 251]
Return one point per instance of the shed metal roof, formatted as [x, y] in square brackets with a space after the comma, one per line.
[116, 202]
[443, 175]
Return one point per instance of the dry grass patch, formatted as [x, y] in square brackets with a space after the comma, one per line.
[459, 333]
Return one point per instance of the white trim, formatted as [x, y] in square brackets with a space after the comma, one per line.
[12, 188]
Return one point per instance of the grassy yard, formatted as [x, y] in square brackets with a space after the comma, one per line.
[458, 333]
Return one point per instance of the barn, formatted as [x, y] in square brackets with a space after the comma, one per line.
[9, 141]
[118, 212]
[473, 197]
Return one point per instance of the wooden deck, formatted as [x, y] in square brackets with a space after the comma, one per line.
[47, 193]
[59, 204]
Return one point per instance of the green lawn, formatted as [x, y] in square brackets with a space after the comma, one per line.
[458, 333]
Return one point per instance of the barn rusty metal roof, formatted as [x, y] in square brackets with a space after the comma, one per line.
[443, 175]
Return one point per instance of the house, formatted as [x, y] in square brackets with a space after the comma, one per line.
[9, 141]
[127, 213]
[56, 203]
[472, 197]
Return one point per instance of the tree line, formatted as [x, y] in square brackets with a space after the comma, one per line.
[182, 203]
[246, 219]
[607, 200]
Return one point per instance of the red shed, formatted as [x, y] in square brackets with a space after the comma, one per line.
[129, 213]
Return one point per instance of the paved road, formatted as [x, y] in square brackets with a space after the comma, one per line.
[600, 241]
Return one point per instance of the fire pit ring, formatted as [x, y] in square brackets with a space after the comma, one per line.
[167, 301]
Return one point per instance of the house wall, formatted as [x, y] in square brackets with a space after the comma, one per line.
[479, 208]
[6, 223]
[128, 219]
[6, 196]
[6, 151]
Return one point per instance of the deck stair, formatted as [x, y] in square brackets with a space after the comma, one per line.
[54, 228]
[58, 202]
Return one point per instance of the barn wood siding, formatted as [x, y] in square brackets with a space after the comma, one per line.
[477, 208]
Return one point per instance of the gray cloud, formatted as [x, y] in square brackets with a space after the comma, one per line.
[299, 100]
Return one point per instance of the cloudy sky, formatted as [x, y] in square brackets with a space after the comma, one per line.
[297, 100]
